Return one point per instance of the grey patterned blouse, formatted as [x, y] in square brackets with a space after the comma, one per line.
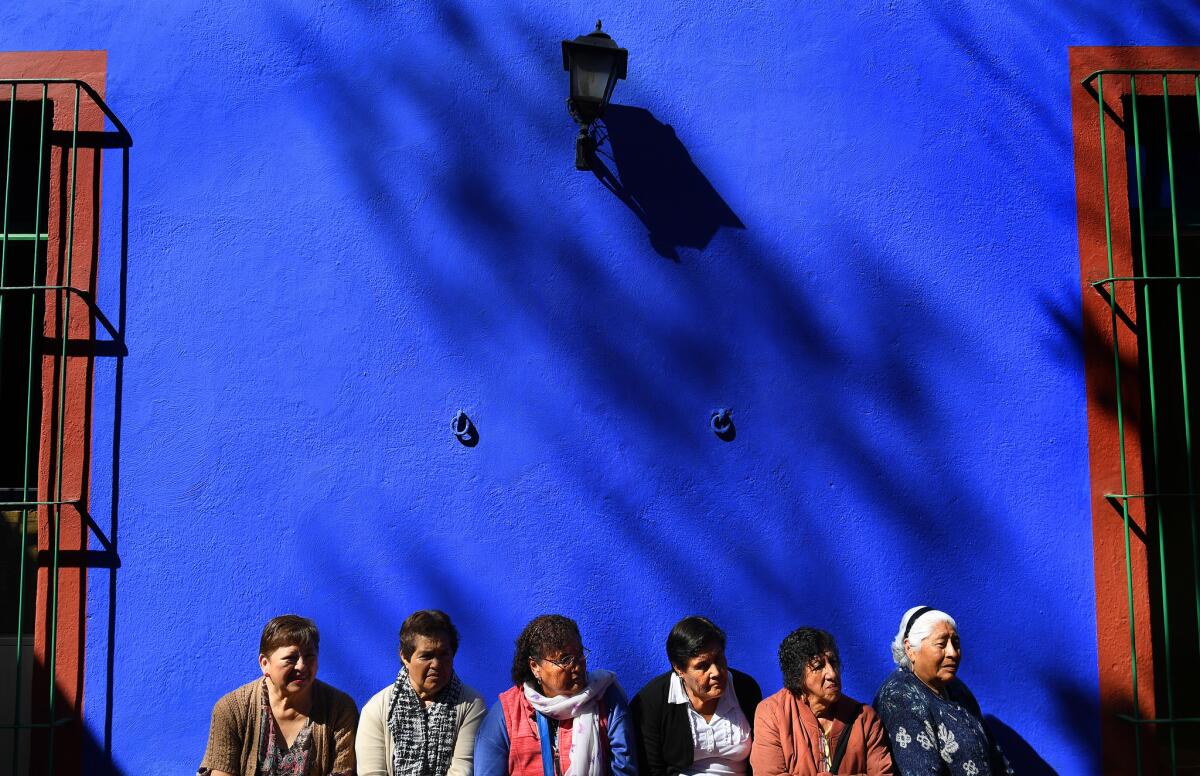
[932, 735]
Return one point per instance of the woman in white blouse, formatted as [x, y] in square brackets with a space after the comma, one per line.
[697, 718]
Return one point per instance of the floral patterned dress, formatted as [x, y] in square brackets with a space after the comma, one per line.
[932, 735]
[275, 757]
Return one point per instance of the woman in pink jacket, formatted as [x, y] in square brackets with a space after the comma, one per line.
[809, 728]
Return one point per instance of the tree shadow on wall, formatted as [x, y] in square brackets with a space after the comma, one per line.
[642, 162]
[1023, 757]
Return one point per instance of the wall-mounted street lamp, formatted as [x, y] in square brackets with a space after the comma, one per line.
[595, 63]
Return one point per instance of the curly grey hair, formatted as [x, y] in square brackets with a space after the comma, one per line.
[919, 631]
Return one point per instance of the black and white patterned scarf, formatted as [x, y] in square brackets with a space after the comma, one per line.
[422, 737]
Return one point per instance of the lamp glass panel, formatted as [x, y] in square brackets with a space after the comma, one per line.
[591, 69]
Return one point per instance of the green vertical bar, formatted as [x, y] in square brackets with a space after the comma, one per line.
[62, 396]
[28, 427]
[33, 281]
[1112, 306]
[12, 111]
[16, 736]
[1187, 424]
[1183, 376]
[1162, 558]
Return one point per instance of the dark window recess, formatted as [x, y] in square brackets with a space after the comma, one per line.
[21, 322]
[1168, 313]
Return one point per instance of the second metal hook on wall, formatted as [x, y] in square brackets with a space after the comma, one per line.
[721, 423]
[464, 429]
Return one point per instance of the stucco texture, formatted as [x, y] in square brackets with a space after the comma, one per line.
[853, 224]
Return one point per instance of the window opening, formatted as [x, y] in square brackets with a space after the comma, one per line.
[1163, 142]
[22, 262]
[1160, 119]
[24, 135]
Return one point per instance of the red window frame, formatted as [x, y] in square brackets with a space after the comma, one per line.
[68, 638]
[1115, 633]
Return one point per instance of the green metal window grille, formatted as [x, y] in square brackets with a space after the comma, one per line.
[29, 342]
[1161, 121]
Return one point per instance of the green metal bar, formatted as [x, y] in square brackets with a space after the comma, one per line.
[62, 396]
[33, 279]
[1183, 372]
[12, 109]
[1176, 721]
[22, 533]
[64, 502]
[39, 725]
[22, 237]
[25, 494]
[1119, 496]
[1097, 74]
[1112, 307]
[1183, 368]
[12, 112]
[85, 296]
[1151, 279]
[85, 86]
[70, 289]
[1162, 556]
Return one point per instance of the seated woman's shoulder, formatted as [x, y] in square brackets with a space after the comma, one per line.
[381, 698]
[774, 705]
[615, 694]
[238, 698]
[335, 699]
[658, 684]
[745, 682]
[776, 698]
[474, 701]
[895, 684]
[471, 695]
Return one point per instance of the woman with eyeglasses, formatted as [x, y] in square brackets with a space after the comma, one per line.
[558, 718]
[809, 728]
[424, 723]
[698, 718]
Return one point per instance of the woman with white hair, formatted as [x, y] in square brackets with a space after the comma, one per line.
[930, 716]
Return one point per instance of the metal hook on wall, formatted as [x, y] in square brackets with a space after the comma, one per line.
[464, 429]
[721, 423]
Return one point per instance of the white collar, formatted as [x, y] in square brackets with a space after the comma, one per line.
[677, 694]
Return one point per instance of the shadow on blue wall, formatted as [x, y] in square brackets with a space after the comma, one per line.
[654, 175]
[97, 762]
[1023, 757]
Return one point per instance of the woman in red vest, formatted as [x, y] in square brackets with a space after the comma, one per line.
[558, 718]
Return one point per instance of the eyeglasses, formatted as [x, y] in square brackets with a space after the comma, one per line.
[570, 660]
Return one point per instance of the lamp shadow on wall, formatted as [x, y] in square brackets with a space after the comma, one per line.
[644, 164]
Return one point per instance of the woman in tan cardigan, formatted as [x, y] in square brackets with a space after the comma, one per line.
[285, 723]
[810, 728]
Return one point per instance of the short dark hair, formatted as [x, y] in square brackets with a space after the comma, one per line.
[692, 636]
[799, 648]
[433, 624]
[544, 634]
[288, 630]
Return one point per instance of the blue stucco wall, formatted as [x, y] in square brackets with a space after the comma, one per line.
[854, 226]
